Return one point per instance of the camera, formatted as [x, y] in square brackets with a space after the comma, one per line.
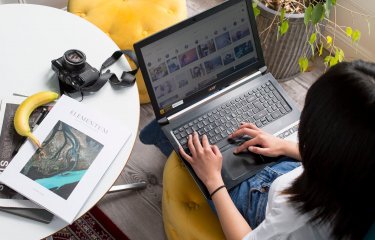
[73, 71]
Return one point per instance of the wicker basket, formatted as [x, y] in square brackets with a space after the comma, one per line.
[281, 55]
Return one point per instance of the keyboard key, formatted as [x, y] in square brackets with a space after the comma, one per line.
[251, 98]
[276, 114]
[286, 106]
[255, 110]
[258, 123]
[269, 118]
[183, 141]
[258, 105]
[178, 136]
[260, 114]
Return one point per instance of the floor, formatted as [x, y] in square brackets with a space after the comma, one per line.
[138, 213]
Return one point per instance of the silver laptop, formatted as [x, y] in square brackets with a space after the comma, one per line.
[207, 74]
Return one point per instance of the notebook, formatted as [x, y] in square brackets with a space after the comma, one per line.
[208, 74]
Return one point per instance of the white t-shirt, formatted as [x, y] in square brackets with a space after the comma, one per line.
[282, 220]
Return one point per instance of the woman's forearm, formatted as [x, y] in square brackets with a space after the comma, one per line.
[232, 222]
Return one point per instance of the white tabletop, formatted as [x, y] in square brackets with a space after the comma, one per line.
[30, 37]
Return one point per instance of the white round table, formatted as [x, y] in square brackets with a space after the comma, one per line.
[30, 37]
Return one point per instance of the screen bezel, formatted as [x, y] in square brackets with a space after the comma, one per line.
[217, 85]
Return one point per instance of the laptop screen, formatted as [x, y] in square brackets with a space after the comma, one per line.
[212, 48]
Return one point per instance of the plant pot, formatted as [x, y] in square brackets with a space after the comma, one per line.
[281, 55]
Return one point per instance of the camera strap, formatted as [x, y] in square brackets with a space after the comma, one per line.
[95, 83]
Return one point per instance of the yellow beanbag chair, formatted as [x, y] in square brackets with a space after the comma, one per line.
[186, 213]
[128, 21]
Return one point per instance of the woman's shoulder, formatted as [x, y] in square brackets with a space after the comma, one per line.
[280, 184]
[283, 220]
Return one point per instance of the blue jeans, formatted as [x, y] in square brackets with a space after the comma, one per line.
[250, 196]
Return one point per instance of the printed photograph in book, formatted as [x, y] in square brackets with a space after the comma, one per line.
[61, 162]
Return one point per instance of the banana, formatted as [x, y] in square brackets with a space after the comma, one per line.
[21, 117]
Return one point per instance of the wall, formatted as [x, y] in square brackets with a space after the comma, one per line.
[366, 48]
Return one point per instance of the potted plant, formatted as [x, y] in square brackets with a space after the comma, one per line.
[292, 31]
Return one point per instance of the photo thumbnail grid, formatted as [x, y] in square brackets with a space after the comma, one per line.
[198, 64]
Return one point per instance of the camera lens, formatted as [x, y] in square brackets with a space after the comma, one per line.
[74, 60]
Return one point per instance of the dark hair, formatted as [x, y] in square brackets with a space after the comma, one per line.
[337, 146]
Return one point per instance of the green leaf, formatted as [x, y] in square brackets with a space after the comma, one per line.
[327, 7]
[327, 59]
[255, 8]
[317, 13]
[311, 42]
[349, 31]
[339, 55]
[321, 50]
[333, 61]
[356, 36]
[312, 38]
[303, 63]
[256, 11]
[333, 2]
[329, 40]
[307, 16]
[282, 15]
[284, 27]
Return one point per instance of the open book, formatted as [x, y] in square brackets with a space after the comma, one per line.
[78, 146]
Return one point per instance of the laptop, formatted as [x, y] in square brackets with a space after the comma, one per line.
[207, 74]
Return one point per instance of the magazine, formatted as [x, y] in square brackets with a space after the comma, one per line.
[78, 146]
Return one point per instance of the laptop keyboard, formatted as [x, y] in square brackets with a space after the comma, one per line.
[261, 106]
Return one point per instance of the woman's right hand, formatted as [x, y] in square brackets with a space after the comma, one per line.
[205, 159]
[264, 143]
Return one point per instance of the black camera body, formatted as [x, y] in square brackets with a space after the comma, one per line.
[73, 71]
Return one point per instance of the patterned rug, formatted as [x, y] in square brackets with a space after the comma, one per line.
[93, 225]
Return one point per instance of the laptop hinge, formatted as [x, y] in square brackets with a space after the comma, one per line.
[163, 121]
[215, 95]
[263, 69]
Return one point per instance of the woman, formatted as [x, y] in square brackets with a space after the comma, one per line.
[326, 197]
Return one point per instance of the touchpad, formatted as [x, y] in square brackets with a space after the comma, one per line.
[237, 165]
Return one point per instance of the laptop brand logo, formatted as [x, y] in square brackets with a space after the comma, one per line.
[212, 88]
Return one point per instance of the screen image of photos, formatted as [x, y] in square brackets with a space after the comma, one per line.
[200, 55]
[65, 156]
